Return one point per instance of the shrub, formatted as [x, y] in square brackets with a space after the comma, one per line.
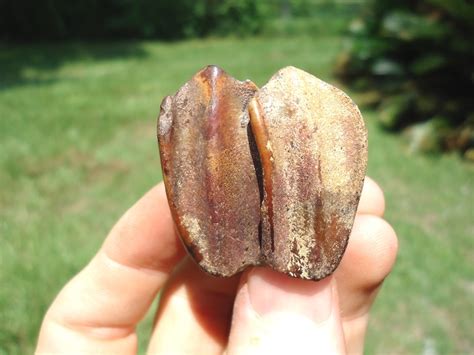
[165, 19]
[414, 61]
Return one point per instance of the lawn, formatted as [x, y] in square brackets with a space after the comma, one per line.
[77, 147]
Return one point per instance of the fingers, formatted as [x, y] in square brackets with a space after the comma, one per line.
[277, 314]
[144, 238]
[189, 307]
[194, 313]
[371, 200]
[369, 258]
[98, 309]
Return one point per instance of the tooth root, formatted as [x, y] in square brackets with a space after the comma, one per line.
[208, 170]
[313, 148]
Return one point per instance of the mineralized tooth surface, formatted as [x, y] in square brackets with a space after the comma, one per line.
[209, 172]
[312, 143]
[282, 191]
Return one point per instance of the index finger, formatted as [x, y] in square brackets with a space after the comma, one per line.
[99, 308]
[372, 200]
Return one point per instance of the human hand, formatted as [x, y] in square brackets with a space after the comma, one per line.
[258, 312]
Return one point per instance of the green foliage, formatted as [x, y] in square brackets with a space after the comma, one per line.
[309, 17]
[241, 17]
[419, 56]
[170, 19]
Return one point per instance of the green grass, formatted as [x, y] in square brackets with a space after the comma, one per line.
[77, 147]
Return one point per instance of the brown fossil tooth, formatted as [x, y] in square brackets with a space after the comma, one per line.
[208, 170]
[284, 193]
[312, 144]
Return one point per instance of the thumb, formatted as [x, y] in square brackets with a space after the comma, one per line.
[277, 314]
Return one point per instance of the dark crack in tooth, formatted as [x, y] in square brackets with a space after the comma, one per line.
[312, 144]
[208, 170]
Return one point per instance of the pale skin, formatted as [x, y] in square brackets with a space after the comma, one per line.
[257, 312]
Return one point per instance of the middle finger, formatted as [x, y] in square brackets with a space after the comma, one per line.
[194, 313]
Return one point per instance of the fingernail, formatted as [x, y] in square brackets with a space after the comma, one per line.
[271, 292]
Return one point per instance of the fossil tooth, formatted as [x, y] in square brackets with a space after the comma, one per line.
[312, 143]
[208, 170]
[270, 176]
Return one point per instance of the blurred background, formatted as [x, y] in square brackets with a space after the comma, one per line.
[80, 88]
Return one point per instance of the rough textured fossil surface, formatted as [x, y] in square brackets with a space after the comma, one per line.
[208, 170]
[313, 147]
[270, 176]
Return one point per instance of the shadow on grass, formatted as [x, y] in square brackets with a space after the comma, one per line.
[17, 60]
